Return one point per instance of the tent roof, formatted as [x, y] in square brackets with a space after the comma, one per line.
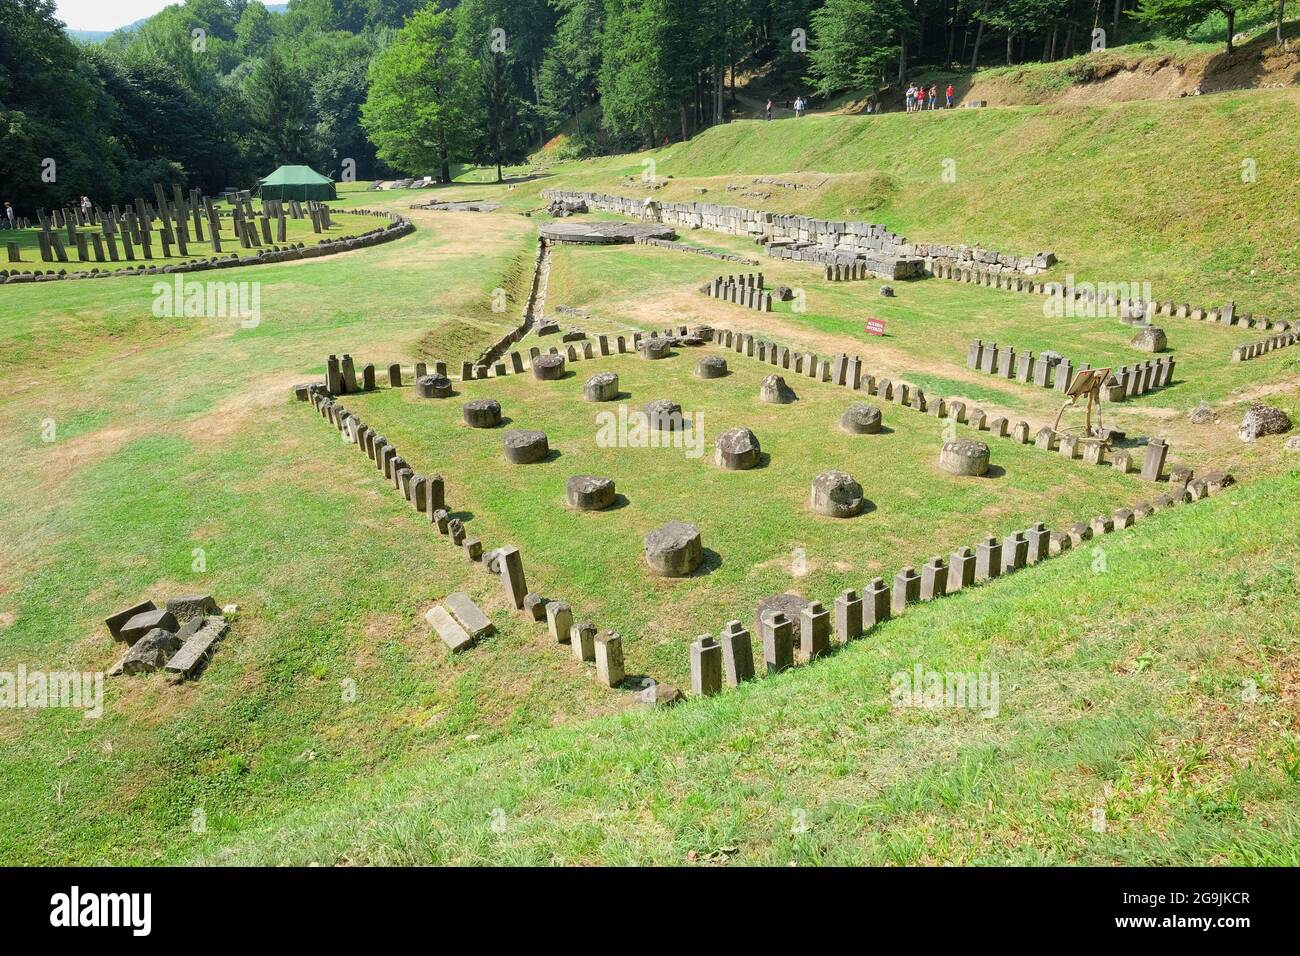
[296, 176]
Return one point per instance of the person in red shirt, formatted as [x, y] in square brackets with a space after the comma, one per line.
[950, 92]
[920, 98]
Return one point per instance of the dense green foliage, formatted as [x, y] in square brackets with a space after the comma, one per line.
[214, 93]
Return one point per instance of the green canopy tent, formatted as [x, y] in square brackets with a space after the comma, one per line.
[298, 182]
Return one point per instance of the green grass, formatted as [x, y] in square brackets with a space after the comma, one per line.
[1105, 704]
[755, 524]
[1120, 689]
[1142, 191]
[297, 230]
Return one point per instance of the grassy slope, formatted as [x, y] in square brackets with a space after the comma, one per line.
[1146, 191]
[1111, 697]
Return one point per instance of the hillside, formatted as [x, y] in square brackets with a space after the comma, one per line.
[1092, 183]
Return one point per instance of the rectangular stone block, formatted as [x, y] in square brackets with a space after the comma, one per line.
[582, 641]
[448, 630]
[559, 621]
[848, 617]
[467, 614]
[778, 642]
[706, 667]
[961, 570]
[737, 654]
[814, 631]
[907, 590]
[988, 559]
[934, 579]
[609, 659]
[512, 575]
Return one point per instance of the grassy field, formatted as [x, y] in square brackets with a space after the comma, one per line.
[297, 230]
[1176, 718]
[756, 524]
[149, 456]
[1095, 184]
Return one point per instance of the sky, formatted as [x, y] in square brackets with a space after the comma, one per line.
[106, 14]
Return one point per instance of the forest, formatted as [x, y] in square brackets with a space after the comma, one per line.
[217, 93]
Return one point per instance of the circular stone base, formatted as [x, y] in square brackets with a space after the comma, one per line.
[1150, 339]
[664, 414]
[589, 493]
[791, 605]
[737, 449]
[548, 367]
[837, 495]
[482, 413]
[774, 391]
[655, 348]
[964, 457]
[861, 420]
[675, 550]
[433, 386]
[526, 447]
[601, 388]
[712, 366]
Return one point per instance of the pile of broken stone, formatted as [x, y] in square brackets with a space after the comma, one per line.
[178, 637]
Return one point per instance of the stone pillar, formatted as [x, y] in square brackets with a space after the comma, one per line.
[778, 642]
[875, 603]
[988, 559]
[582, 641]
[737, 654]
[609, 658]
[961, 570]
[559, 621]
[934, 579]
[1015, 551]
[512, 576]
[907, 589]
[1154, 462]
[848, 617]
[395, 376]
[706, 666]
[814, 631]
[1039, 539]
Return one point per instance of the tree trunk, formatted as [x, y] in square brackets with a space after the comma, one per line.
[952, 34]
[1281, 15]
[979, 36]
[902, 58]
[1009, 39]
[1115, 20]
[1232, 22]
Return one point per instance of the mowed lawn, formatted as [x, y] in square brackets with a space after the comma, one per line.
[296, 231]
[759, 535]
[179, 463]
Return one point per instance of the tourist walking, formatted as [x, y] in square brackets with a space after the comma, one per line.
[769, 109]
[920, 99]
[950, 93]
[934, 96]
[10, 215]
[911, 98]
[798, 106]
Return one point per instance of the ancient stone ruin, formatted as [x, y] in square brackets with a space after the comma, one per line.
[178, 638]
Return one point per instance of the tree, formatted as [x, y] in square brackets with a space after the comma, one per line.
[1181, 16]
[853, 42]
[417, 109]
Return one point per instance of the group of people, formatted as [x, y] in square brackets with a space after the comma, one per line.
[800, 107]
[919, 98]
